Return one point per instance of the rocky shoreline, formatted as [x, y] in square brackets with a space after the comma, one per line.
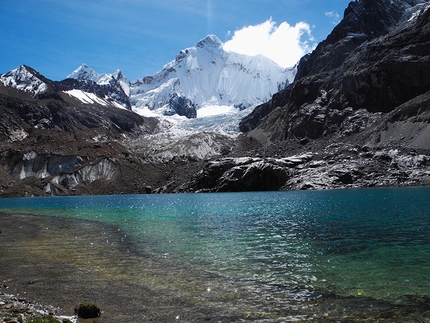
[337, 166]
[16, 309]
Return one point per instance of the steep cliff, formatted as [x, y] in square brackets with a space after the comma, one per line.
[373, 61]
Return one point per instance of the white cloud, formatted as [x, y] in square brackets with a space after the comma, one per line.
[334, 16]
[284, 44]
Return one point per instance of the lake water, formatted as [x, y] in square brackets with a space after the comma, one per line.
[345, 255]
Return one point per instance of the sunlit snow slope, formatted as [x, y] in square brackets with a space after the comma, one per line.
[205, 88]
[212, 80]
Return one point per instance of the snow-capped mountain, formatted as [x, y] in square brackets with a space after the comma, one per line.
[84, 84]
[205, 76]
[26, 79]
[203, 80]
[84, 73]
[204, 83]
[115, 87]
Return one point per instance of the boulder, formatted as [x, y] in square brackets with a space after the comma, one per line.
[258, 176]
[242, 174]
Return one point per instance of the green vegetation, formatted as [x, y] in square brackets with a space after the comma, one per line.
[45, 319]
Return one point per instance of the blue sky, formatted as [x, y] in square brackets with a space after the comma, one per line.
[140, 36]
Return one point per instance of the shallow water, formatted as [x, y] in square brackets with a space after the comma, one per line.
[267, 257]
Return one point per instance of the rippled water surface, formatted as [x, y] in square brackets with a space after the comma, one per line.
[274, 256]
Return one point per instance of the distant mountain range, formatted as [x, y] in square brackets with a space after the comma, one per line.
[202, 76]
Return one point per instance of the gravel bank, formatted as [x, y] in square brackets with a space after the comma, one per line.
[15, 309]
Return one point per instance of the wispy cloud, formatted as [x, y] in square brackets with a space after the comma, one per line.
[335, 17]
[284, 44]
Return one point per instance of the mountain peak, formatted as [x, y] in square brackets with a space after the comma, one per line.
[24, 69]
[209, 40]
[205, 77]
[84, 72]
[118, 75]
[26, 79]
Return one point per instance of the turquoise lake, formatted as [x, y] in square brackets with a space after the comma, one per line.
[282, 248]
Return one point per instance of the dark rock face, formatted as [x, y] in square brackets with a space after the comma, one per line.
[252, 120]
[58, 114]
[31, 169]
[365, 63]
[19, 165]
[49, 146]
[391, 70]
[182, 106]
[242, 175]
[257, 176]
[363, 21]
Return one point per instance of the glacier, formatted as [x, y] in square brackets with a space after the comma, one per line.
[205, 88]
[212, 79]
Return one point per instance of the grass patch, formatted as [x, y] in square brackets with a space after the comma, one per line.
[45, 319]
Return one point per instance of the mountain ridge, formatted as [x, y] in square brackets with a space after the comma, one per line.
[363, 21]
[200, 76]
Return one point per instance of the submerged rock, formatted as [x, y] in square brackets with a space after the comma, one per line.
[87, 311]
